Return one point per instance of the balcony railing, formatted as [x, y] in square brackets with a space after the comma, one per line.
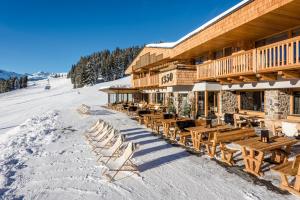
[206, 70]
[147, 81]
[282, 55]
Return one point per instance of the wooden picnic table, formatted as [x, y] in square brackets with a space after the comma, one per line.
[198, 132]
[148, 117]
[254, 151]
[251, 118]
[168, 123]
[221, 138]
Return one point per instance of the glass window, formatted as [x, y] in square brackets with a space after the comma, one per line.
[201, 106]
[160, 98]
[212, 102]
[252, 101]
[218, 54]
[272, 39]
[228, 51]
[296, 103]
[296, 32]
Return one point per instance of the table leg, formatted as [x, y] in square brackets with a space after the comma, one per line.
[252, 161]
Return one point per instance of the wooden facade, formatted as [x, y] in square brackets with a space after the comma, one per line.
[256, 42]
[238, 31]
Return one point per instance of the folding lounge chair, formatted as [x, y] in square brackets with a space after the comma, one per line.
[106, 154]
[106, 141]
[98, 131]
[122, 163]
[100, 137]
[95, 126]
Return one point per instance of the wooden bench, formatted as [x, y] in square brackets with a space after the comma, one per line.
[181, 131]
[225, 137]
[289, 169]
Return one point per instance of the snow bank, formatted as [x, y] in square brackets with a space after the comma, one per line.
[23, 141]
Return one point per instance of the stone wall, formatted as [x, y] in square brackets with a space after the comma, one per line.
[277, 104]
[229, 101]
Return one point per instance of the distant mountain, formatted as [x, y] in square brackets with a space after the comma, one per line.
[38, 76]
[11, 81]
[43, 75]
[5, 75]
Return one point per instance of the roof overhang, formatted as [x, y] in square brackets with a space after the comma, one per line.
[117, 90]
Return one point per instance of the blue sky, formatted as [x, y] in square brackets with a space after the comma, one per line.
[51, 35]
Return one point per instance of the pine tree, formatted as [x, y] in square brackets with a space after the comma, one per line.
[109, 65]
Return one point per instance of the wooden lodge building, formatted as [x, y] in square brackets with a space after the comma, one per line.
[247, 58]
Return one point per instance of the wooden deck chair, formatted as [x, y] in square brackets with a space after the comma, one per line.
[95, 126]
[98, 130]
[289, 169]
[106, 141]
[101, 136]
[106, 154]
[103, 128]
[122, 163]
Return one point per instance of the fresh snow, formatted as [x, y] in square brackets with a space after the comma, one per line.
[43, 154]
[202, 27]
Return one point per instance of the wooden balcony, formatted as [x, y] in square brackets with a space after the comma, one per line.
[147, 81]
[281, 58]
[264, 63]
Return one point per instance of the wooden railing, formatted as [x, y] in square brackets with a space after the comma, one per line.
[280, 55]
[153, 80]
[206, 70]
[136, 83]
[147, 81]
[239, 63]
[271, 58]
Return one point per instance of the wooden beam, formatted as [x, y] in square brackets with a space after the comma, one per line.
[223, 81]
[249, 78]
[267, 77]
[289, 74]
[234, 80]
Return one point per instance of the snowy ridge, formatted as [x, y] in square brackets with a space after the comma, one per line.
[204, 26]
[6, 74]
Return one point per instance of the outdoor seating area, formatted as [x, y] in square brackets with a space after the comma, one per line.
[248, 144]
[111, 149]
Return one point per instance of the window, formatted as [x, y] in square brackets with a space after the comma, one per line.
[296, 103]
[160, 98]
[228, 51]
[218, 54]
[201, 106]
[252, 101]
[272, 39]
[296, 32]
[213, 102]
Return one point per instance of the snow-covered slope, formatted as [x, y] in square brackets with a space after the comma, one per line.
[43, 154]
[6, 74]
